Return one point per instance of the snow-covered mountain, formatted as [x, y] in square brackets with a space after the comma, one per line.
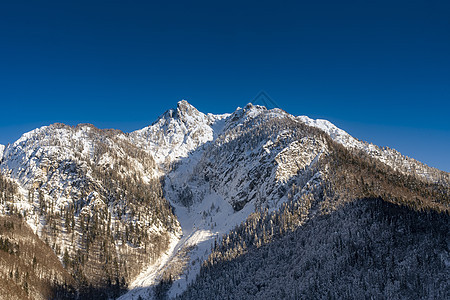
[145, 208]
[91, 193]
[177, 132]
[247, 160]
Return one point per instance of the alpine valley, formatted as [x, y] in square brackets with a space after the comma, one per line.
[256, 204]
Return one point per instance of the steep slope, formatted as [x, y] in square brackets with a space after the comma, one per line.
[29, 268]
[366, 249]
[94, 197]
[261, 159]
[254, 156]
[347, 175]
[258, 155]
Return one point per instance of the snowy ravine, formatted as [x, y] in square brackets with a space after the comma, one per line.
[197, 239]
[205, 196]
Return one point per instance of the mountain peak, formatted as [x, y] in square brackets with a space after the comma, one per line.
[177, 132]
[184, 103]
[185, 108]
[255, 106]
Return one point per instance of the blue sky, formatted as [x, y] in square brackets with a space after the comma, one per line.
[378, 69]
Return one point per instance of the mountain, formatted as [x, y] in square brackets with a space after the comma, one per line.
[257, 159]
[161, 211]
[94, 198]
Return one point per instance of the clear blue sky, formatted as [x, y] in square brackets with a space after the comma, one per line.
[378, 69]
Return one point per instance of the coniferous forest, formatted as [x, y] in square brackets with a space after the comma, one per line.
[368, 249]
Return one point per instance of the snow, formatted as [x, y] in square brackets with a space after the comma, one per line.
[150, 275]
[209, 217]
[198, 236]
[51, 158]
[2, 149]
[177, 132]
[201, 232]
[334, 132]
[298, 156]
[388, 156]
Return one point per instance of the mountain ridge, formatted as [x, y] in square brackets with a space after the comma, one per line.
[185, 111]
[149, 205]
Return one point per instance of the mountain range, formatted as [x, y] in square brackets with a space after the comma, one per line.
[256, 204]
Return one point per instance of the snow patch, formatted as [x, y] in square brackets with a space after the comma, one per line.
[149, 277]
[2, 149]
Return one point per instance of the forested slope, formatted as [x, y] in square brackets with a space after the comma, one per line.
[367, 249]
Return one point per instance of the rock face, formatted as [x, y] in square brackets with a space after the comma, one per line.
[249, 160]
[137, 209]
